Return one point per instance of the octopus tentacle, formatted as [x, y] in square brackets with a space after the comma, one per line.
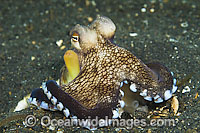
[40, 99]
[66, 101]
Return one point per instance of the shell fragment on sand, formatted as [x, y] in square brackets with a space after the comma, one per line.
[186, 89]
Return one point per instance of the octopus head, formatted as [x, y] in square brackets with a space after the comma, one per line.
[104, 26]
[83, 38]
[87, 37]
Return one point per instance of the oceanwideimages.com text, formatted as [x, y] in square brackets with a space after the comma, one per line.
[30, 121]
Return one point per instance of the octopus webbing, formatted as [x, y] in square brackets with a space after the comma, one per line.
[104, 68]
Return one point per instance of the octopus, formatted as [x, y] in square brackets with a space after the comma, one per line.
[98, 73]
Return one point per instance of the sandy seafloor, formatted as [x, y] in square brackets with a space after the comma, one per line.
[168, 31]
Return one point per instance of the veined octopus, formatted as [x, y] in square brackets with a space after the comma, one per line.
[104, 68]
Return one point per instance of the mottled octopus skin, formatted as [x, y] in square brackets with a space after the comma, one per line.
[104, 68]
[95, 91]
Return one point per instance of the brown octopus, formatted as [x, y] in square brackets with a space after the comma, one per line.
[105, 67]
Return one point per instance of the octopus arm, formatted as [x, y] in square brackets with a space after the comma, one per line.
[153, 81]
[40, 99]
[75, 107]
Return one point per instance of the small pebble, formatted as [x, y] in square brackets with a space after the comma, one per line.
[59, 43]
[3, 44]
[178, 114]
[52, 128]
[133, 34]
[136, 14]
[143, 10]
[33, 42]
[63, 47]
[132, 44]
[149, 130]
[173, 40]
[175, 48]
[87, 2]
[90, 19]
[193, 6]
[17, 37]
[32, 58]
[152, 10]
[60, 130]
[80, 9]
[145, 5]
[186, 89]
[93, 3]
[197, 94]
[184, 24]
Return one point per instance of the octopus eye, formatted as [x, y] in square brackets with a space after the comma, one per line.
[75, 37]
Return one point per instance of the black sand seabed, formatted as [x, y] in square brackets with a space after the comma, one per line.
[168, 31]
